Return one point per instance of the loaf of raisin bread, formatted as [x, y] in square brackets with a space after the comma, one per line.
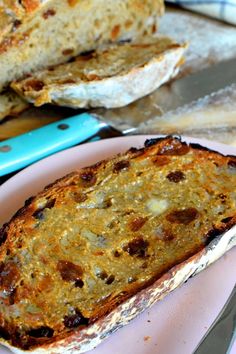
[39, 33]
[98, 246]
[110, 77]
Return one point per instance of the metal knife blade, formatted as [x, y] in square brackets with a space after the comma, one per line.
[171, 96]
[16, 153]
[220, 336]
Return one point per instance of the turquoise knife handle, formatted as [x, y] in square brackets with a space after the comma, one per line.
[18, 152]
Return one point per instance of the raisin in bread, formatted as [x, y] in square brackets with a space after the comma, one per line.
[11, 104]
[95, 248]
[36, 33]
[109, 77]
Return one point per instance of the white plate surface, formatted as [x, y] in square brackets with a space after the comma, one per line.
[174, 325]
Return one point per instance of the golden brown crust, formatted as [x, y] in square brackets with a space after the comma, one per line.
[139, 248]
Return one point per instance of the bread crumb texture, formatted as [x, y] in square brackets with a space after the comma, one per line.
[101, 234]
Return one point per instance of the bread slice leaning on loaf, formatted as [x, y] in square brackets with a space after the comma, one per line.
[111, 77]
[39, 33]
[99, 246]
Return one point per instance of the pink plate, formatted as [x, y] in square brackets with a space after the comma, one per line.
[176, 324]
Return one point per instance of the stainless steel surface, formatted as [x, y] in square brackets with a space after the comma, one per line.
[171, 96]
[222, 333]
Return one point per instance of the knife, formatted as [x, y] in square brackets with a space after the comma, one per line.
[221, 335]
[18, 152]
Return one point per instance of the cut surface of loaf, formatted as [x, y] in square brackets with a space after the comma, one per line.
[36, 34]
[110, 77]
[11, 104]
[96, 237]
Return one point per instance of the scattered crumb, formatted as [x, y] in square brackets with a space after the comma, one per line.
[146, 338]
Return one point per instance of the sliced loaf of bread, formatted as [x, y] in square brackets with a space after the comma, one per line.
[39, 33]
[110, 77]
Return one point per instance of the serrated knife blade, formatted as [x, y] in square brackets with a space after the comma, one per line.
[172, 95]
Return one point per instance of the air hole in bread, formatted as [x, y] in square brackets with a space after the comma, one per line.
[79, 283]
[132, 280]
[226, 220]
[117, 254]
[211, 235]
[41, 332]
[232, 164]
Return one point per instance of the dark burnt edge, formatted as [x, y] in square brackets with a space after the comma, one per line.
[196, 146]
[213, 234]
[3, 234]
[20, 212]
[153, 141]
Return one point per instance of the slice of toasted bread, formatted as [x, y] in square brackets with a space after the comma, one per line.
[100, 245]
[37, 33]
[111, 77]
[11, 104]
